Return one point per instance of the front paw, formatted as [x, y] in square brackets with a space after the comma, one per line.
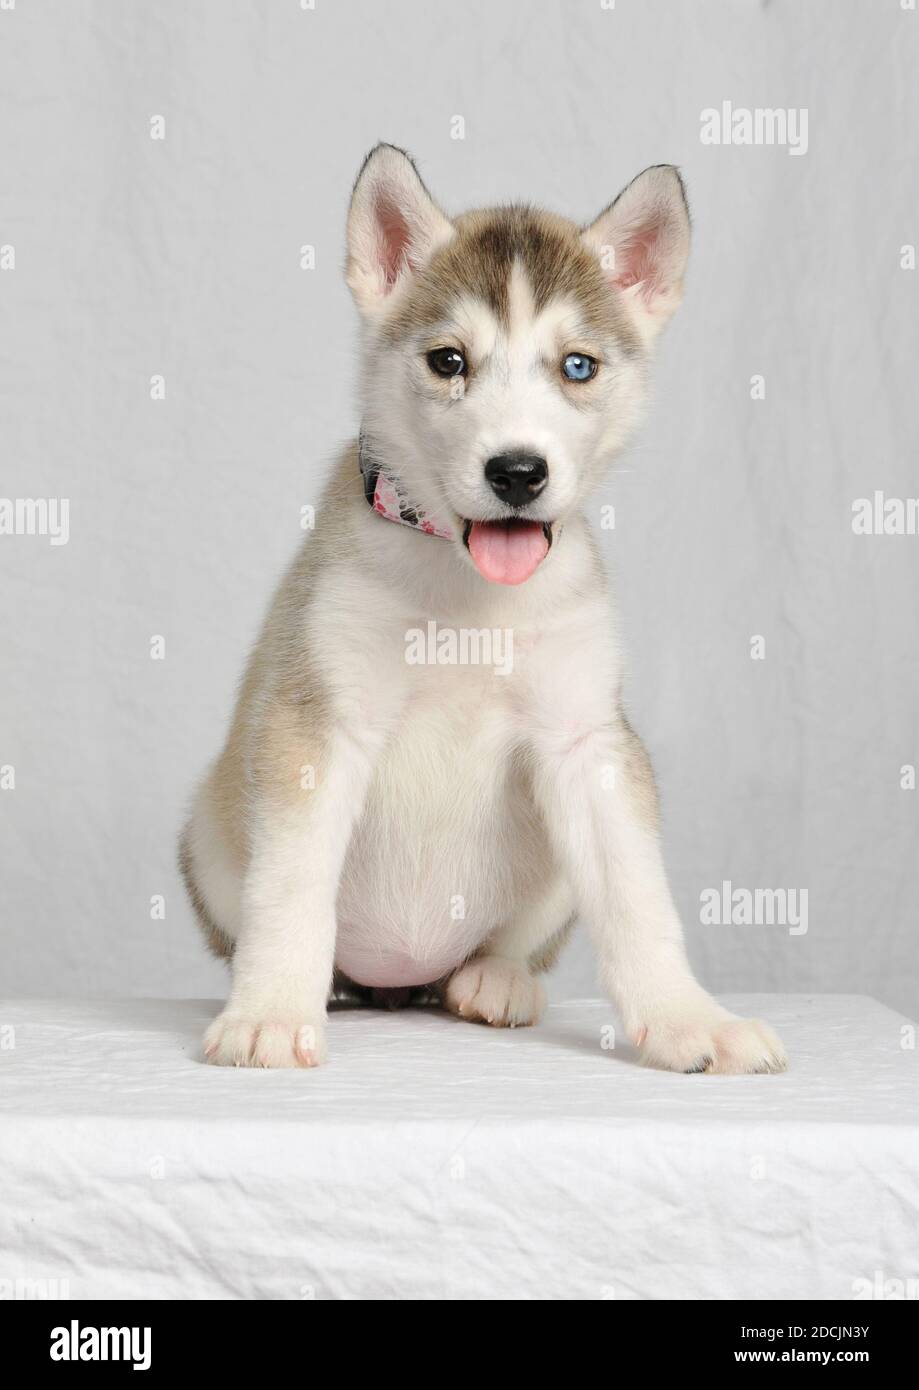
[246, 1040]
[710, 1042]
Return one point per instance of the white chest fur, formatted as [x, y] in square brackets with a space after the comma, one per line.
[448, 845]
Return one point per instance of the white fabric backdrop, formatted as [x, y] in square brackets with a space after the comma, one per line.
[432, 1160]
[181, 257]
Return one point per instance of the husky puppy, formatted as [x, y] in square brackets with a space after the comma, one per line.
[402, 823]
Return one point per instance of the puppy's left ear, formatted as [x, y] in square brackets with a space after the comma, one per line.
[394, 227]
[642, 242]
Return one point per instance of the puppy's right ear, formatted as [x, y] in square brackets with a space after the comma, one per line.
[394, 226]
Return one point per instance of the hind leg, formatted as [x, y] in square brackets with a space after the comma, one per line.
[499, 984]
[211, 864]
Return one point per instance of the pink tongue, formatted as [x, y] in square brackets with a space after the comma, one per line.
[507, 554]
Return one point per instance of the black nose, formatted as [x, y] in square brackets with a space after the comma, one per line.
[517, 478]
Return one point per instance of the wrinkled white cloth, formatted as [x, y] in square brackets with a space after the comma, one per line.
[438, 1159]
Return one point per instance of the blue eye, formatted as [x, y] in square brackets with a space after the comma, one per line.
[577, 366]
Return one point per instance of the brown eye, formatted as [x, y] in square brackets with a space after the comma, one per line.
[447, 362]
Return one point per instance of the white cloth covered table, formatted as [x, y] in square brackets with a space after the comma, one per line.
[433, 1158]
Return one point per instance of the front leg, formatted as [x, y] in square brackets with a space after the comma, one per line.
[596, 789]
[309, 790]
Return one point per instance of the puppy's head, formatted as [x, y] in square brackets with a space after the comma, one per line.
[506, 350]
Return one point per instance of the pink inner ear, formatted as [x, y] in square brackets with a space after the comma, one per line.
[637, 259]
[394, 241]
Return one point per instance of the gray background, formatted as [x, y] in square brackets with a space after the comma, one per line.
[181, 257]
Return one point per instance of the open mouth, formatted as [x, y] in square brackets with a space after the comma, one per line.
[507, 552]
